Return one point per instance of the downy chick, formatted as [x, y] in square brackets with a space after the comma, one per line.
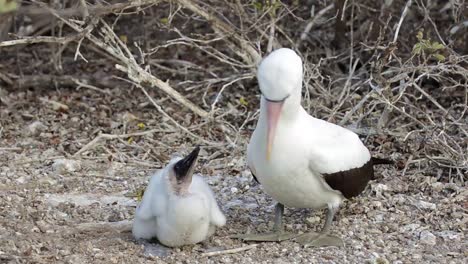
[178, 208]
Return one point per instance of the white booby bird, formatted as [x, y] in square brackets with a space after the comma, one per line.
[299, 160]
[178, 208]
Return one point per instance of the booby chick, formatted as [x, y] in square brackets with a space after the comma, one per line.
[178, 208]
[299, 160]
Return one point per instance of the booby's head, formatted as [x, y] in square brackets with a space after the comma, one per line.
[280, 78]
[180, 172]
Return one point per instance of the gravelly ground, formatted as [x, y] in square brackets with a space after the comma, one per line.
[81, 214]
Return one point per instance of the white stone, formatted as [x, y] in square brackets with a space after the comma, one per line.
[451, 235]
[379, 189]
[409, 228]
[66, 165]
[425, 205]
[35, 128]
[21, 180]
[313, 219]
[426, 237]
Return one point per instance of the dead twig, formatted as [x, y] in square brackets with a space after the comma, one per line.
[312, 22]
[100, 137]
[402, 17]
[229, 251]
[38, 81]
[35, 40]
[115, 47]
[224, 29]
[160, 110]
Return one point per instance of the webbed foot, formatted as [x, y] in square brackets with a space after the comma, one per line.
[319, 240]
[267, 237]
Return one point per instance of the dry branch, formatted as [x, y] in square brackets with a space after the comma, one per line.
[93, 10]
[32, 40]
[410, 92]
[111, 43]
[229, 251]
[40, 81]
[224, 29]
[101, 137]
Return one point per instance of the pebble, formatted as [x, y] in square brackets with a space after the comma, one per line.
[35, 128]
[426, 237]
[425, 205]
[451, 235]
[409, 228]
[379, 189]
[313, 220]
[66, 165]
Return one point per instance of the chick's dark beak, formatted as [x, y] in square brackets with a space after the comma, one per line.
[184, 168]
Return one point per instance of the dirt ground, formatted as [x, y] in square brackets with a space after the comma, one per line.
[68, 198]
[56, 208]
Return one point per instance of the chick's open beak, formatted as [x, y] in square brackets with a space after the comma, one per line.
[184, 167]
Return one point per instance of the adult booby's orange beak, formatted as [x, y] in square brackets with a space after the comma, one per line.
[273, 114]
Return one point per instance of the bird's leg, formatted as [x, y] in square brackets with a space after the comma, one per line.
[279, 211]
[278, 233]
[322, 239]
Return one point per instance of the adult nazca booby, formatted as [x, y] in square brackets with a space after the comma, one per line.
[299, 160]
[178, 208]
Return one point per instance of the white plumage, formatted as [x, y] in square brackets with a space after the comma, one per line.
[176, 212]
[290, 151]
[303, 147]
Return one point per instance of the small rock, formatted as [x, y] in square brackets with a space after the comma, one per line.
[27, 116]
[21, 180]
[128, 117]
[57, 106]
[437, 186]
[427, 238]
[66, 165]
[379, 189]
[450, 235]
[381, 260]
[425, 205]
[379, 218]
[234, 190]
[313, 220]
[35, 128]
[409, 228]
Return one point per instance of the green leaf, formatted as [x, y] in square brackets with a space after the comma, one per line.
[417, 48]
[437, 46]
[141, 125]
[139, 194]
[8, 6]
[243, 102]
[164, 20]
[258, 5]
[419, 35]
[438, 56]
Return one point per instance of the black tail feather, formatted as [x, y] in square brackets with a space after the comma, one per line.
[378, 161]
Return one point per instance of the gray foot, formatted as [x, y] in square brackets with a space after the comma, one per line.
[268, 237]
[152, 247]
[319, 240]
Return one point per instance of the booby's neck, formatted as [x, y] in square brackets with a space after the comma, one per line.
[291, 106]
